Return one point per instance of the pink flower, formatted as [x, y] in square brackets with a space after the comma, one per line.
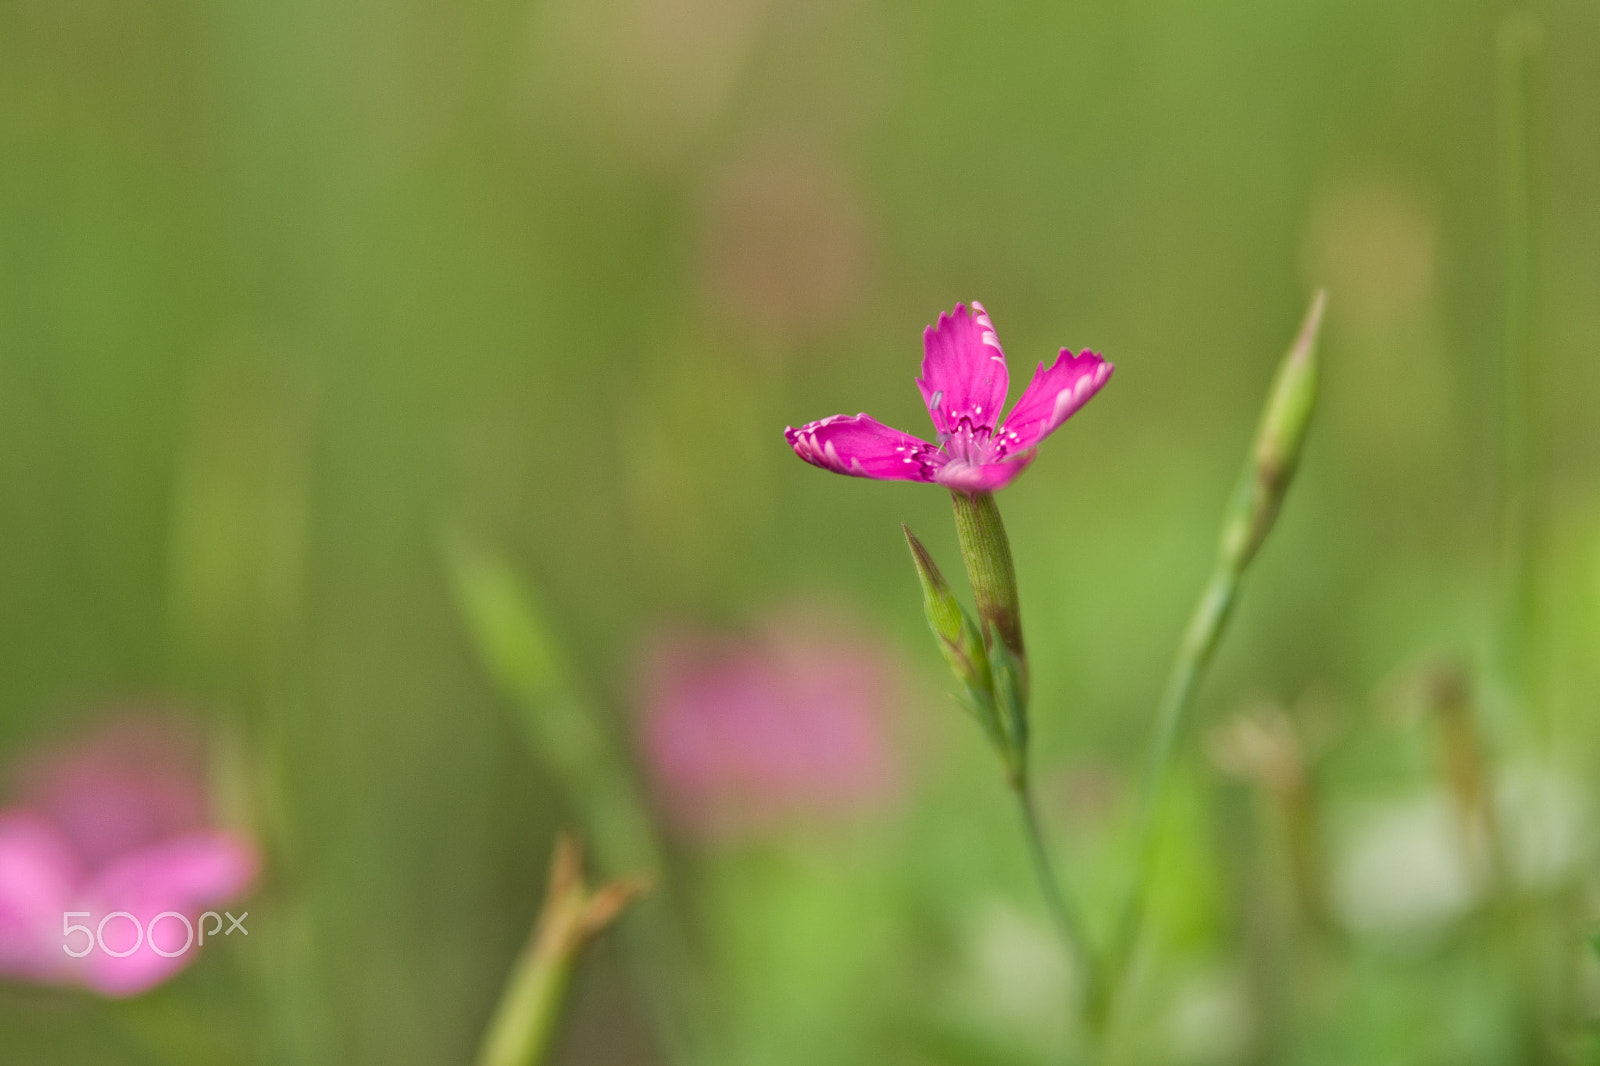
[115, 824]
[964, 382]
[740, 735]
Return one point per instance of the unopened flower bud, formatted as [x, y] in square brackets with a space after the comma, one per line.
[960, 638]
[960, 641]
[945, 616]
[1276, 451]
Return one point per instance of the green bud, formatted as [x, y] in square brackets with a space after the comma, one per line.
[1276, 451]
[938, 602]
[960, 639]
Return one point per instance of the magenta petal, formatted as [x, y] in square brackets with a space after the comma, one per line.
[135, 780]
[964, 372]
[864, 447]
[185, 875]
[983, 477]
[38, 873]
[196, 869]
[743, 736]
[1052, 397]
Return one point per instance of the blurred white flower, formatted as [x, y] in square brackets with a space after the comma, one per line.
[1211, 1019]
[1403, 869]
[1544, 822]
[1406, 869]
[1013, 978]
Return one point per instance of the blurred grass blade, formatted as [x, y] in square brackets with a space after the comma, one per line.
[1519, 43]
[525, 1022]
[522, 656]
[515, 644]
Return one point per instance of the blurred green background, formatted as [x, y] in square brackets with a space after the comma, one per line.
[292, 293]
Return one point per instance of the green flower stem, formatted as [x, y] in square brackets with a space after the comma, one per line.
[1194, 655]
[1074, 938]
[1269, 468]
[525, 1022]
[986, 551]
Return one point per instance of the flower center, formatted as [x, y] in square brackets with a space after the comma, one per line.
[971, 444]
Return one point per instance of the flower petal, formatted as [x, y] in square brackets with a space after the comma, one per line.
[862, 446]
[135, 778]
[1052, 397]
[183, 875]
[964, 372]
[742, 736]
[983, 477]
[38, 874]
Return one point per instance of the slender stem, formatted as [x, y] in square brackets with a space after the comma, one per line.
[525, 1023]
[1268, 471]
[1200, 640]
[1074, 938]
[986, 550]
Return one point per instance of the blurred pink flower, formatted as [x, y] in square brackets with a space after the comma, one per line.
[115, 823]
[791, 724]
[964, 383]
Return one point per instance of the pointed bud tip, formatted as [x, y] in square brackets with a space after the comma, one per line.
[923, 558]
[1294, 390]
[960, 639]
[1285, 419]
[1305, 342]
